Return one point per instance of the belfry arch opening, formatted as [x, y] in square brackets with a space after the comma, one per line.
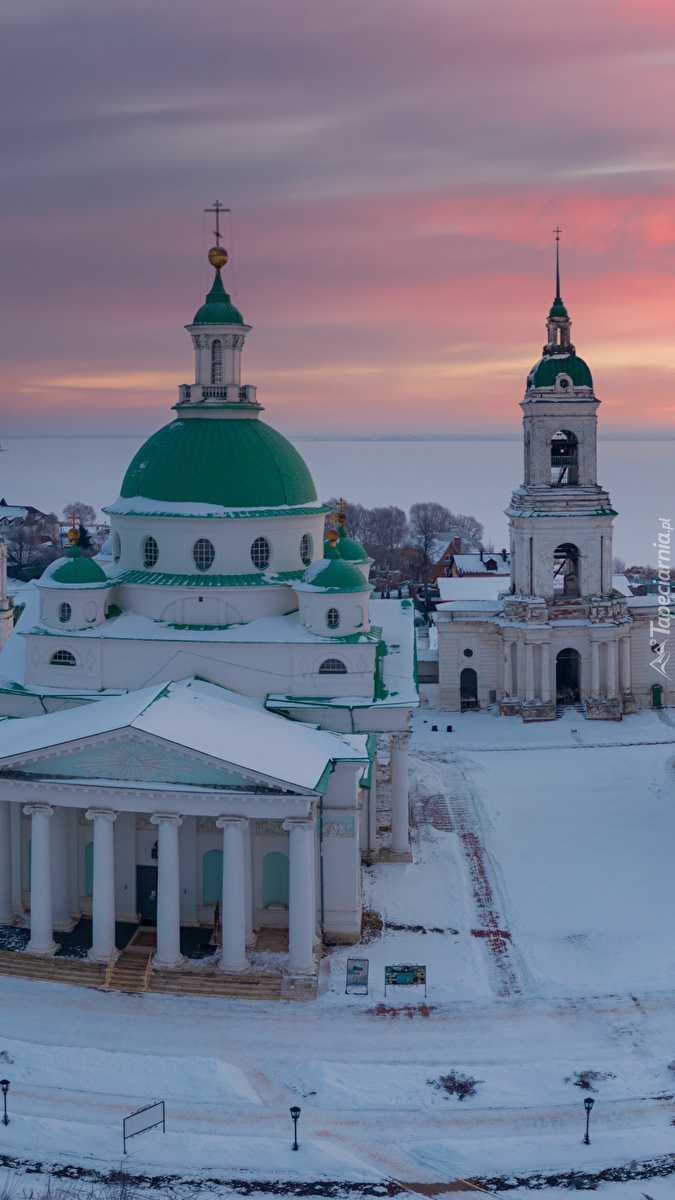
[566, 570]
[564, 459]
[568, 676]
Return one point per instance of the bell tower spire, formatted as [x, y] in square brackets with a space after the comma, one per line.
[558, 322]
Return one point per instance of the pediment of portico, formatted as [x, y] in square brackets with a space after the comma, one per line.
[130, 757]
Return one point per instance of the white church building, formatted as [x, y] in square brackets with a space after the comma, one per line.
[560, 631]
[198, 707]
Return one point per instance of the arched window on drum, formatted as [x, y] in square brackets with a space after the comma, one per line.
[216, 361]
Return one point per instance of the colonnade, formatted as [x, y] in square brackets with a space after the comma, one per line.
[236, 895]
[539, 684]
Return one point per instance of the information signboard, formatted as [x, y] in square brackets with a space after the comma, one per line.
[142, 1120]
[405, 975]
[357, 977]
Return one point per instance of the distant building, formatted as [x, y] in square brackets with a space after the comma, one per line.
[18, 514]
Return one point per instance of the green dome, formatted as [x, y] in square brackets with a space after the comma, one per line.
[349, 549]
[558, 308]
[218, 308]
[230, 463]
[79, 569]
[333, 574]
[546, 371]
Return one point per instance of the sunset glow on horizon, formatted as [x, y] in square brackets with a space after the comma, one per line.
[395, 173]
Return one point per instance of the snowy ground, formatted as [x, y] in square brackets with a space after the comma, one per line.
[544, 864]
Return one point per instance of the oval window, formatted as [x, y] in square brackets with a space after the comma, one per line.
[65, 611]
[332, 618]
[63, 658]
[150, 551]
[260, 553]
[306, 548]
[203, 553]
[117, 547]
[90, 611]
[332, 666]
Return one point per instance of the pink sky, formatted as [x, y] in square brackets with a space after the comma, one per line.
[395, 171]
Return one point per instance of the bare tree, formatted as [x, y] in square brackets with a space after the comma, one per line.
[468, 525]
[84, 513]
[388, 537]
[618, 566]
[427, 521]
[28, 553]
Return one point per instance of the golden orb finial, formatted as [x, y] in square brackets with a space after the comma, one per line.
[217, 257]
[73, 533]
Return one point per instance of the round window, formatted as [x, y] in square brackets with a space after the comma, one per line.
[306, 548]
[150, 551]
[203, 553]
[65, 612]
[468, 653]
[332, 618]
[117, 547]
[260, 553]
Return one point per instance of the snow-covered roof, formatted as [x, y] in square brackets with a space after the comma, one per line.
[473, 564]
[203, 718]
[487, 587]
[10, 512]
[620, 584]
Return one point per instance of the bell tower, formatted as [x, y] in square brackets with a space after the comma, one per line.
[560, 519]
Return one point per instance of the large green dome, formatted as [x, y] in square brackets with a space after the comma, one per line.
[224, 462]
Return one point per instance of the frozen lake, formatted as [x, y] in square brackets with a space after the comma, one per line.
[468, 475]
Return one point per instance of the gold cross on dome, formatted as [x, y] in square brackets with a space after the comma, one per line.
[73, 533]
[217, 209]
[331, 521]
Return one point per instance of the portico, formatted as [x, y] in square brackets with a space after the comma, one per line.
[207, 844]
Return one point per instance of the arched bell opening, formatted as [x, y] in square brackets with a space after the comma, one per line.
[568, 676]
[564, 459]
[468, 689]
[566, 570]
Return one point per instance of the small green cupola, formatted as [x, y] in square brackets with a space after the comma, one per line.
[218, 308]
[333, 573]
[78, 570]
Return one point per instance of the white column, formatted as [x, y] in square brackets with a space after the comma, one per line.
[61, 918]
[398, 757]
[546, 673]
[595, 670]
[611, 670]
[233, 956]
[17, 893]
[73, 863]
[301, 892]
[168, 891]
[6, 914]
[248, 884]
[41, 940]
[625, 665]
[529, 671]
[508, 669]
[103, 899]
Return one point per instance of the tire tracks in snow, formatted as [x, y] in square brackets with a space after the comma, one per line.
[453, 790]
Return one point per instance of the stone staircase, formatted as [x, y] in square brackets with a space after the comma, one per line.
[254, 985]
[133, 972]
[130, 973]
[77, 971]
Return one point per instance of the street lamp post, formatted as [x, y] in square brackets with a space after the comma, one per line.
[588, 1104]
[295, 1113]
[4, 1084]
